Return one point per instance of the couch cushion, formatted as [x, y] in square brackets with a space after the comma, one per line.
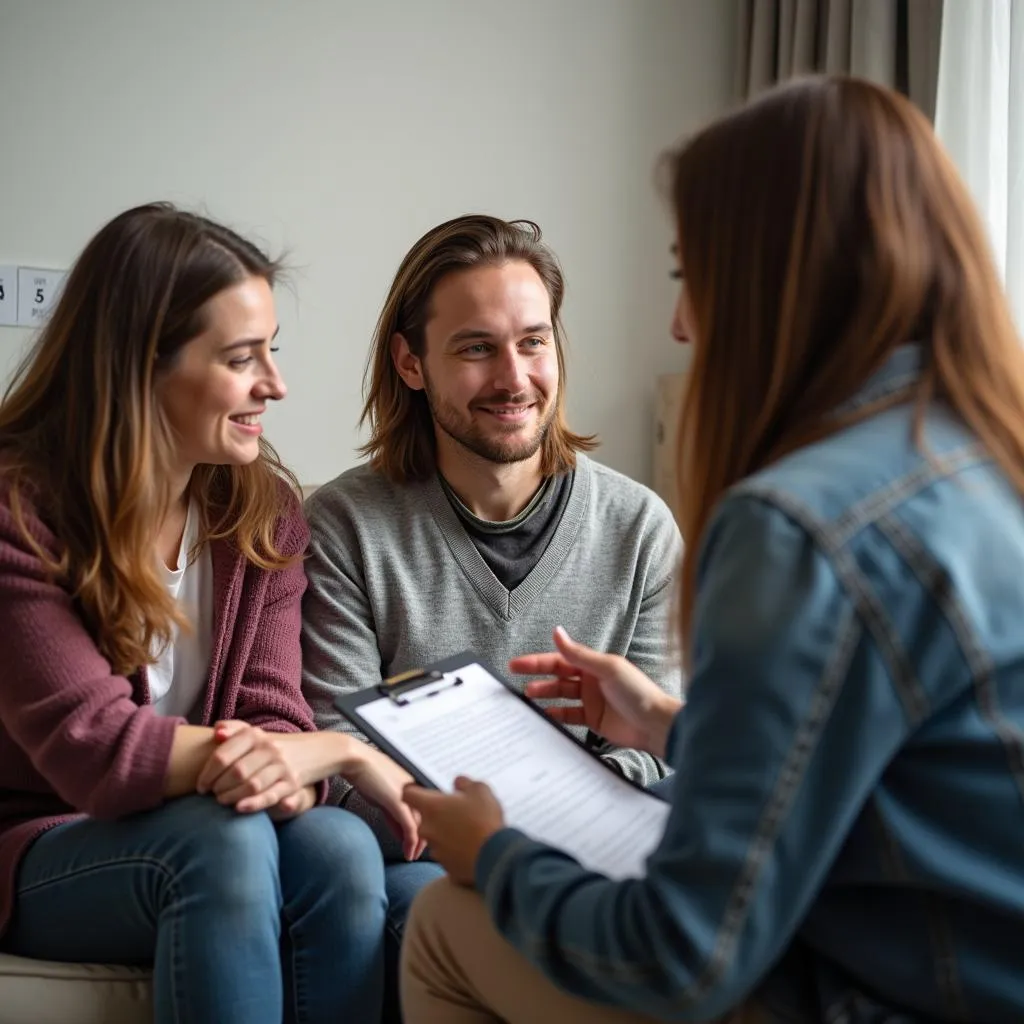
[42, 992]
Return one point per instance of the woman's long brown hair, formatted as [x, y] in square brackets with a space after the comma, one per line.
[83, 439]
[820, 227]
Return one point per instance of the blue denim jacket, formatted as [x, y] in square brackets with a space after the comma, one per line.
[847, 824]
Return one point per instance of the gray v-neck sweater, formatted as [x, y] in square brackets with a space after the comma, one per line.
[395, 582]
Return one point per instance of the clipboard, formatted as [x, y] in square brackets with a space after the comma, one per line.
[420, 683]
[460, 716]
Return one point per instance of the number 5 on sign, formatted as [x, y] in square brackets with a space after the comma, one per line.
[8, 296]
[37, 290]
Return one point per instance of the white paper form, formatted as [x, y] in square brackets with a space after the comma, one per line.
[548, 786]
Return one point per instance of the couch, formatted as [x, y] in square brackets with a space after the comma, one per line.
[40, 992]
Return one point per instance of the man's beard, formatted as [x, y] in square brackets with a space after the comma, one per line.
[513, 447]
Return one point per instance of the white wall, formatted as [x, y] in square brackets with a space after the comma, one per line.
[341, 130]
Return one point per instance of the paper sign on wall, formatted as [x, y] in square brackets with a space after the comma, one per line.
[37, 291]
[8, 296]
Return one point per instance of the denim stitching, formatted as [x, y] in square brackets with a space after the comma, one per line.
[176, 956]
[978, 662]
[879, 502]
[791, 775]
[24, 890]
[931, 575]
[869, 607]
[153, 862]
[297, 1002]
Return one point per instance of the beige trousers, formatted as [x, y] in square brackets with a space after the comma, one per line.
[457, 969]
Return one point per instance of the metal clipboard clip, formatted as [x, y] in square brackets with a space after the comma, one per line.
[416, 684]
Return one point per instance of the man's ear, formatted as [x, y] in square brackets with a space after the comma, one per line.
[407, 364]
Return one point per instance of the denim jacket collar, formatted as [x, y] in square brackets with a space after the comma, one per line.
[899, 372]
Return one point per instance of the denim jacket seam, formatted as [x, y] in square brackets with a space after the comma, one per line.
[880, 502]
[980, 667]
[834, 545]
[978, 663]
[791, 774]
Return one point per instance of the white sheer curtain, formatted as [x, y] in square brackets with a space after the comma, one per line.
[979, 116]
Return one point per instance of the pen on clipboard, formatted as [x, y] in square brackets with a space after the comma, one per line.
[417, 683]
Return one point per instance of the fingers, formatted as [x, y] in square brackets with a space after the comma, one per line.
[579, 655]
[225, 755]
[267, 799]
[550, 664]
[225, 729]
[421, 799]
[410, 833]
[292, 804]
[567, 689]
[575, 715]
[421, 843]
[469, 814]
[428, 807]
[244, 769]
[424, 801]
[463, 784]
[404, 824]
[259, 782]
[567, 661]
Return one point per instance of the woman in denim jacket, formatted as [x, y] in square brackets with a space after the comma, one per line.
[846, 839]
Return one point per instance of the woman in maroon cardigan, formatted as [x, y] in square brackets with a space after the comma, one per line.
[157, 766]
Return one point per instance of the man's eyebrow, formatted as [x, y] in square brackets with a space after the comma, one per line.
[246, 342]
[470, 334]
[479, 334]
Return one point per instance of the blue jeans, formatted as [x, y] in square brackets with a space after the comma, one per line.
[243, 920]
[403, 880]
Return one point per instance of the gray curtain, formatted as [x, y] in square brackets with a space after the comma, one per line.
[894, 42]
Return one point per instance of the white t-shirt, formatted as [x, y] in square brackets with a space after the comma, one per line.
[179, 675]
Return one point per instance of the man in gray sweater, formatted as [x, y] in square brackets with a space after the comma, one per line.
[478, 522]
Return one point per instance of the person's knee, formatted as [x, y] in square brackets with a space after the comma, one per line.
[332, 840]
[332, 851]
[223, 857]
